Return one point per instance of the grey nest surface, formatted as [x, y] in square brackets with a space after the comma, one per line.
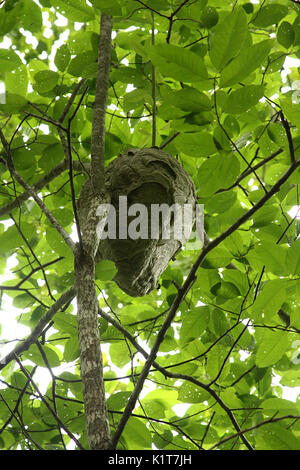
[147, 176]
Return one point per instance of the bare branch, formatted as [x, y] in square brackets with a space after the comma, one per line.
[71, 100]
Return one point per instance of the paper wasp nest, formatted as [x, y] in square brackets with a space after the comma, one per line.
[147, 176]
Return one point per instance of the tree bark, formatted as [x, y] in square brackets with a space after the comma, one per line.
[97, 424]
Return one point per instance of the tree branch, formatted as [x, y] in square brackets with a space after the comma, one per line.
[41, 183]
[96, 415]
[64, 299]
[102, 85]
[32, 193]
[251, 170]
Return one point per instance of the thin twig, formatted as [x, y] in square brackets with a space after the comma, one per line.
[61, 424]
[166, 373]
[288, 135]
[252, 170]
[233, 143]
[46, 119]
[71, 100]
[64, 299]
[33, 194]
[251, 428]
[169, 140]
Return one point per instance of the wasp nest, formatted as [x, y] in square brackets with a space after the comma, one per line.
[148, 176]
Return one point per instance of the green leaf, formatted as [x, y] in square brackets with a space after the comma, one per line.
[245, 63]
[188, 393]
[119, 354]
[139, 311]
[265, 216]
[136, 98]
[30, 16]
[118, 401]
[108, 7]
[52, 155]
[197, 144]
[218, 171]
[272, 346]
[272, 256]
[273, 405]
[230, 398]
[270, 14]
[71, 350]
[62, 57]
[137, 435]
[228, 38]
[34, 355]
[8, 20]
[17, 80]
[291, 110]
[45, 80]
[286, 34]
[11, 103]
[105, 270]
[23, 14]
[274, 436]
[209, 17]
[220, 203]
[22, 301]
[189, 10]
[12, 238]
[74, 10]
[248, 7]
[178, 62]
[270, 299]
[188, 99]
[239, 101]
[217, 258]
[238, 278]
[293, 258]
[225, 290]
[56, 243]
[215, 362]
[220, 322]
[66, 323]
[194, 323]
[9, 60]
[84, 65]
